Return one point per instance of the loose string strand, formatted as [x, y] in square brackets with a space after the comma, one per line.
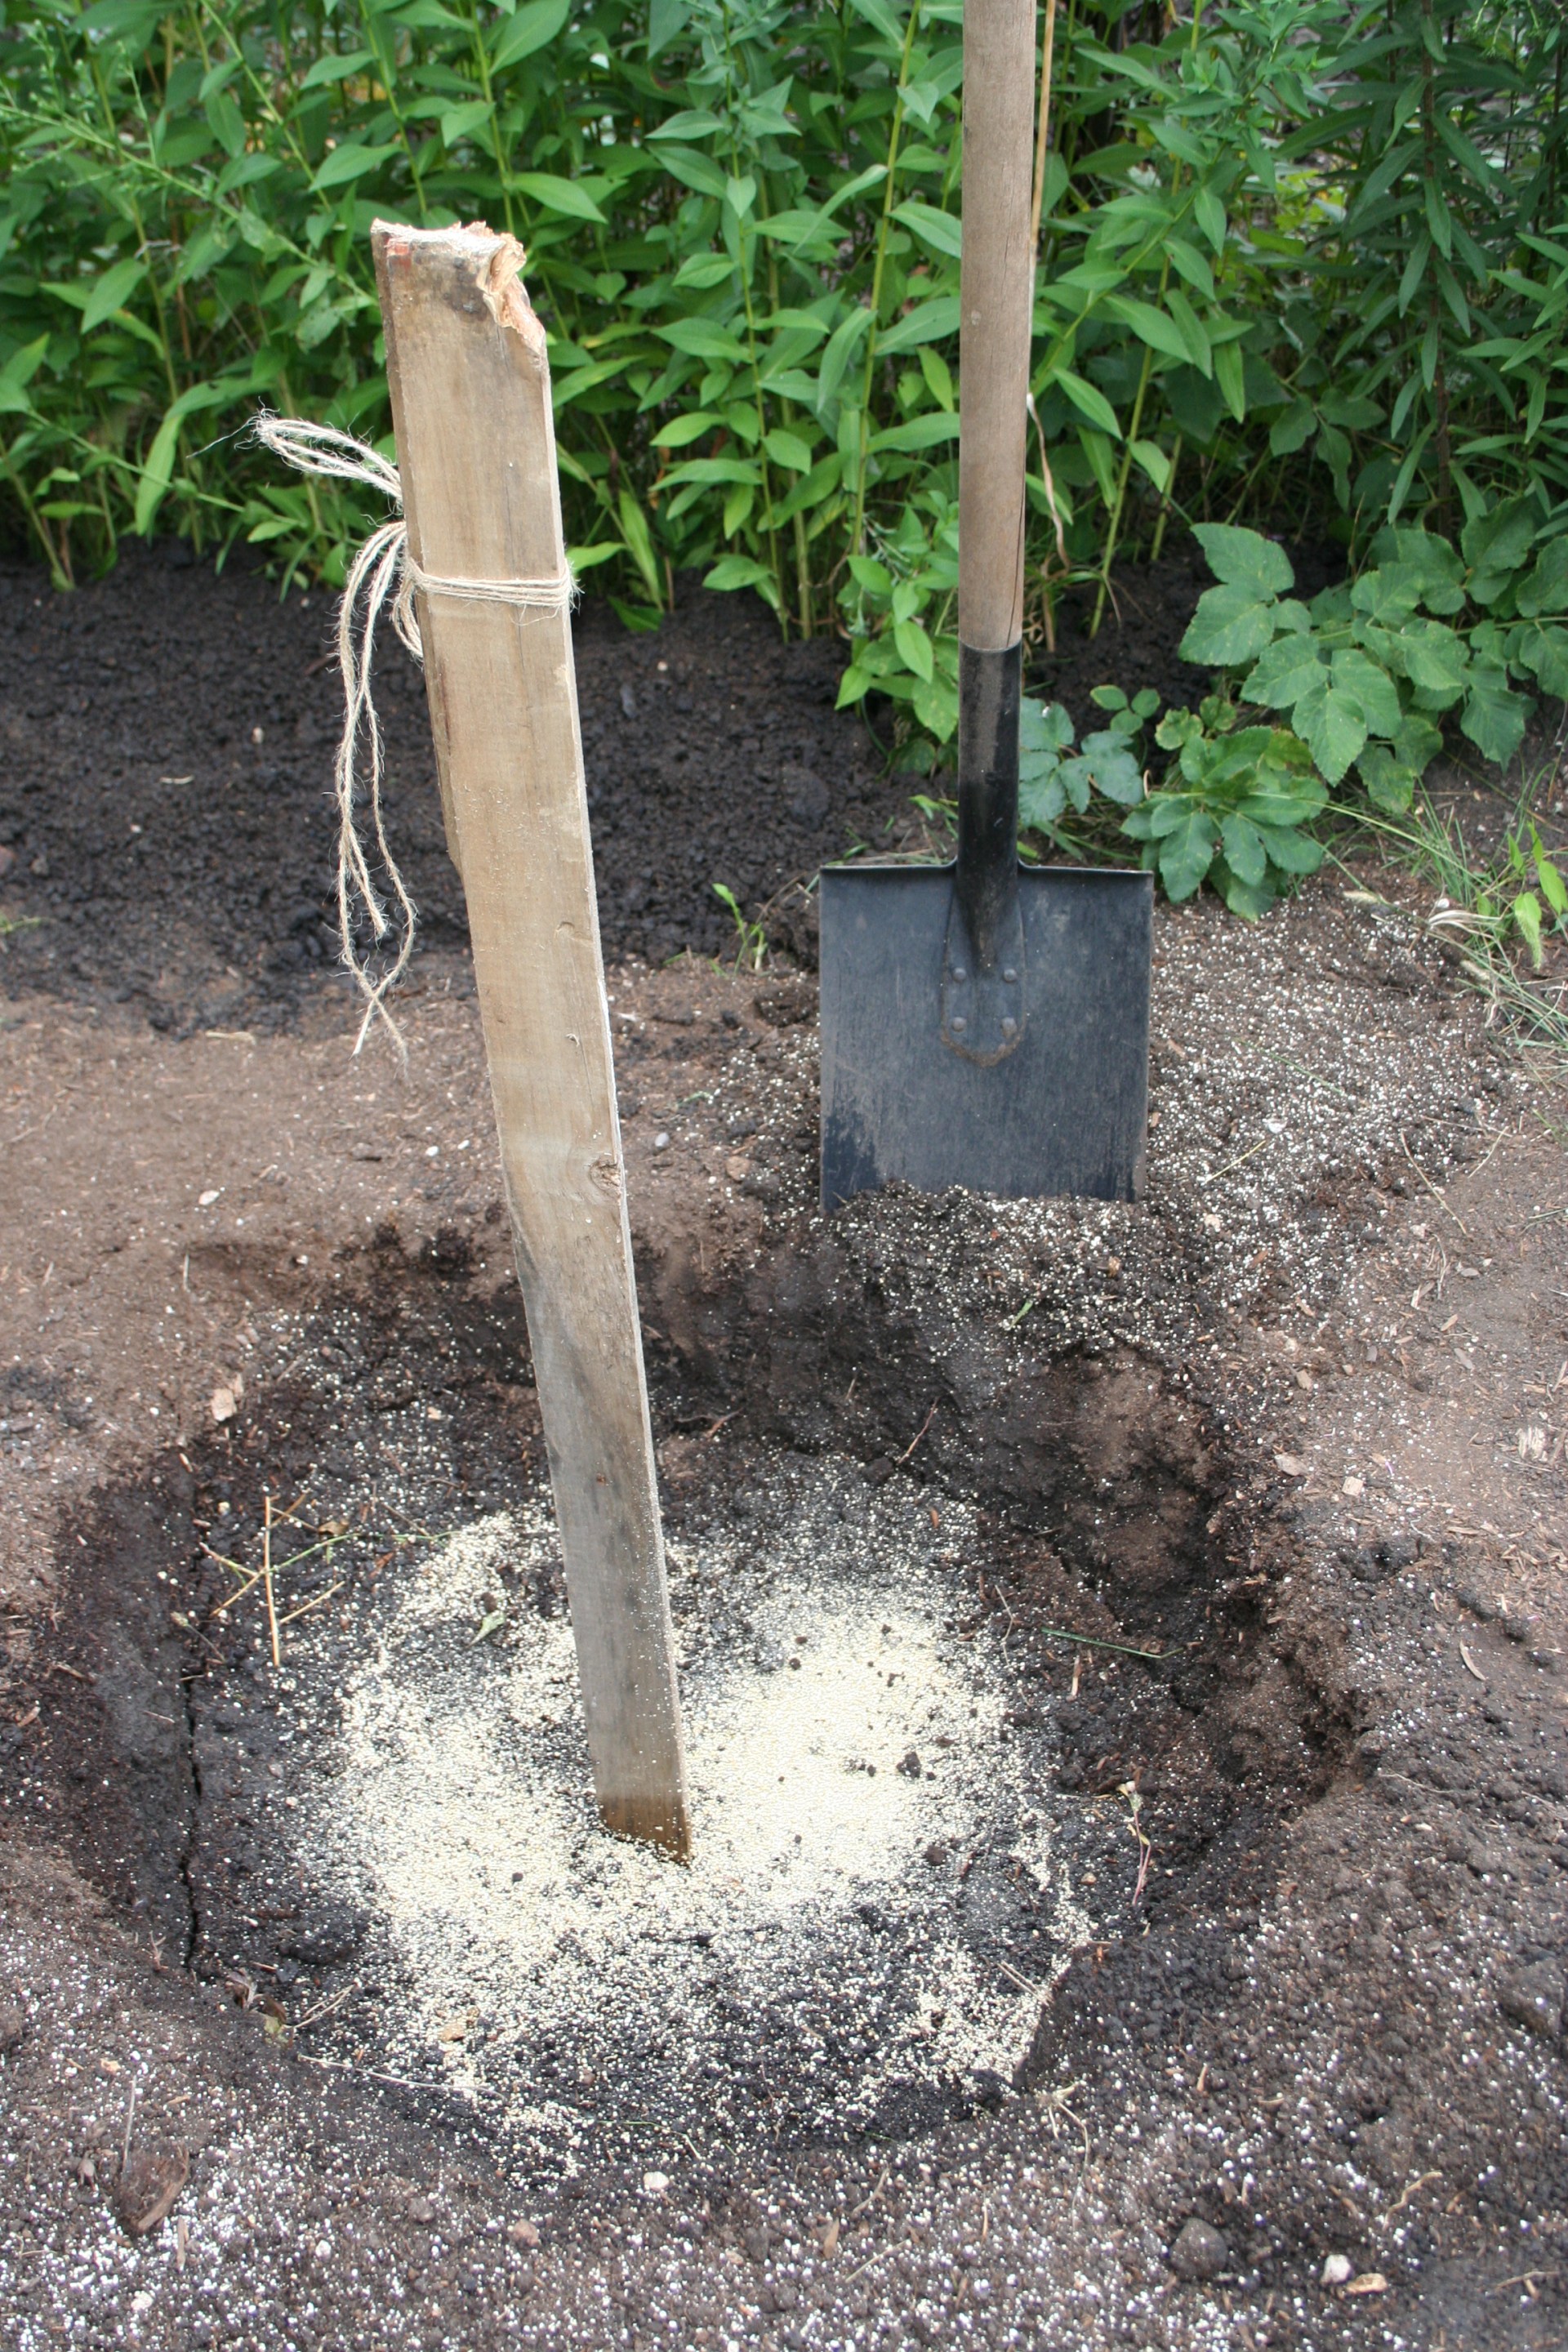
[384, 573]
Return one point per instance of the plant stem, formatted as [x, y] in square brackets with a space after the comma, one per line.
[857, 535]
[1164, 514]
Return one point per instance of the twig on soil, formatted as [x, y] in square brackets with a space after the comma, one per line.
[325, 2008]
[316, 1602]
[1437, 1196]
[1230, 1167]
[267, 1574]
[129, 2119]
[366, 2074]
[1093, 1641]
[871, 2196]
[1405, 2194]
[1146, 1845]
[915, 1438]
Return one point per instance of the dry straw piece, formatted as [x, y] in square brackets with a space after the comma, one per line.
[382, 570]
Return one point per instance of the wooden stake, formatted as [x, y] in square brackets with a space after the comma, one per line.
[995, 300]
[476, 451]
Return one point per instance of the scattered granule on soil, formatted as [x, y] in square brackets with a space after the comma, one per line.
[871, 1916]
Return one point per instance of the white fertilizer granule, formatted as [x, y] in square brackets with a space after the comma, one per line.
[868, 1923]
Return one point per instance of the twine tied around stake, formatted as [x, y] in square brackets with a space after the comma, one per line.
[382, 570]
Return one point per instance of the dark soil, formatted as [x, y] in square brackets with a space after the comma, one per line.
[1293, 1426]
[169, 738]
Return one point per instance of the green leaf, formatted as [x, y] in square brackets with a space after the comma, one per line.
[682, 430]
[914, 648]
[1230, 374]
[927, 323]
[939, 379]
[1251, 901]
[1390, 782]
[1290, 851]
[159, 465]
[1112, 768]
[536, 23]
[1089, 402]
[874, 577]
[1332, 727]
[1416, 741]
[333, 67]
[462, 121]
[1546, 588]
[110, 292]
[1229, 628]
[788, 450]
[352, 162]
[1526, 913]
[228, 122]
[1497, 543]
[566, 198]
[1245, 559]
[840, 350]
[1077, 781]
[667, 20]
[703, 339]
[639, 544]
[1436, 661]
[1294, 430]
[1435, 564]
[878, 13]
[1553, 888]
[693, 170]
[1186, 853]
[935, 704]
[1150, 325]
[1493, 718]
[1356, 673]
[1283, 672]
[1244, 853]
[943, 231]
[1542, 648]
[1041, 801]
[743, 571]
[1044, 726]
[1209, 214]
[920, 432]
[586, 559]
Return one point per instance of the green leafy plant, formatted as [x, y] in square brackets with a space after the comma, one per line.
[1368, 669]
[898, 606]
[1517, 895]
[1299, 263]
[1435, 272]
[1235, 812]
[750, 938]
[1053, 777]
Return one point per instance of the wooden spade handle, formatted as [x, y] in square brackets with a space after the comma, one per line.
[996, 299]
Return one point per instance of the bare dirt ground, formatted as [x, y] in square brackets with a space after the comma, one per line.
[1254, 1493]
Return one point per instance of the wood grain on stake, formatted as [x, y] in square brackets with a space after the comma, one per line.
[475, 446]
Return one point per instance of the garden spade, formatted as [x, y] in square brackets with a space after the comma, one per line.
[983, 1026]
